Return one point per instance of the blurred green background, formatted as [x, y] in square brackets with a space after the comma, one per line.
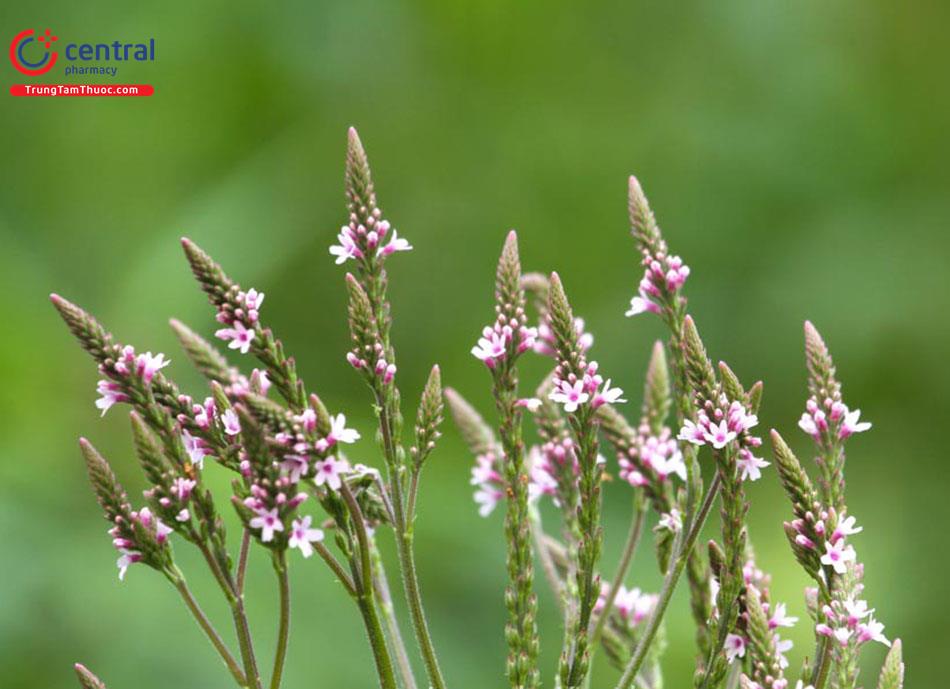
[795, 153]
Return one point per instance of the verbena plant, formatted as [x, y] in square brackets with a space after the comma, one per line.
[294, 488]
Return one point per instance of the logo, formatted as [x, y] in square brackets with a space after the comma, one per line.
[24, 50]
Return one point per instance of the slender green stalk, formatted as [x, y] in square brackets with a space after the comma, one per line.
[822, 663]
[283, 629]
[384, 596]
[630, 547]
[337, 568]
[242, 561]
[683, 550]
[377, 640]
[178, 580]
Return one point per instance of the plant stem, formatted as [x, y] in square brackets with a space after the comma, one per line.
[178, 581]
[407, 562]
[242, 561]
[683, 551]
[377, 640]
[822, 663]
[337, 568]
[633, 538]
[381, 585]
[283, 629]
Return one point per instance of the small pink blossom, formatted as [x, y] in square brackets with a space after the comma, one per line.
[329, 471]
[640, 304]
[239, 336]
[231, 422]
[735, 647]
[346, 249]
[110, 393]
[837, 555]
[268, 521]
[872, 630]
[750, 465]
[532, 404]
[195, 448]
[491, 347]
[487, 498]
[672, 521]
[303, 537]
[607, 395]
[719, 435]
[182, 487]
[569, 395]
[338, 433]
[126, 559]
[147, 365]
[846, 527]
[395, 244]
[851, 424]
[295, 466]
[780, 618]
[692, 433]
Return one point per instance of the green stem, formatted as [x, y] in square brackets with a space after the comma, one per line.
[178, 581]
[377, 640]
[283, 629]
[381, 585]
[683, 551]
[633, 538]
[407, 562]
[242, 561]
[822, 663]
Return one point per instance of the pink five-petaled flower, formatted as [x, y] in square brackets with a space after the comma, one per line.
[692, 433]
[195, 448]
[395, 244]
[146, 365]
[735, 647]
[607, 395]
[671, 521]
[837, 555]
[780, 617]
[268, 522]
[110, 394]
[750, 465]
[302, 536]
[347, 248]
[851, 424]
[339, 433]
[640, 304]
[240, 337]
[571, 396]
[491, 347]
[719, 435]
[872, 630]
[182, 488]
[232, 425]
[329, 471]
[846, 527]
[856, 610]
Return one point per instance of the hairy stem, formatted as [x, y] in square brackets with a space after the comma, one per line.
[669, 585]
[178, 580]
[384, 596]
[283, 629]
[633, 539]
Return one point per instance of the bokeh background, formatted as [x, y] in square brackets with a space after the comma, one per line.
[795, 153]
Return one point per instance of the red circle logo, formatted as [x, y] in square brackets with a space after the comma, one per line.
[25, 48]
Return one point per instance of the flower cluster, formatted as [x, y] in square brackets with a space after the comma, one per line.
[850, 621]
[127, 537]
[498, 341]
[663, 277]
[357, 241]
[126, 370]
[632, 605]
[488, 475]
[652, 458]
[240, 312]
[831, 420]
[720, 424]
[572, 391]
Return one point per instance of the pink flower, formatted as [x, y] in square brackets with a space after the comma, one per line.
[491, 347]
[182, 488]
[268, 521]
[329, 471]
[252, 302]
[607, 395]
[641, 304]
[807, 424]
[837, 555]
[487, 498]
[571, 396]
[735, 647]
[532, 404]
[739, 419]
[240, 337]
[126, 559]
[232, 425]
[851, 424]
[692, 433]
[671, 521]
[307, 419]
[779, 617]
[302, 536]
[872, 631]
[347, 248]
[339, 432]
[846, 527]
[195, 448]
[110, 394]
[146, 365]
[395, 244]
[750, 465]
[295, 466]
[719, 435]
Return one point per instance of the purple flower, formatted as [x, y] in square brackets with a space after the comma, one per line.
[268, 522]
[240, 337]
[302, 536]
